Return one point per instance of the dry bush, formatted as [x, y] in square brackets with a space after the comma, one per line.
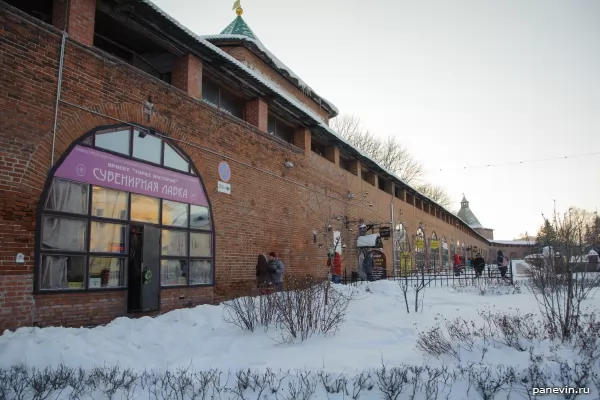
[558, 290]
[308, 306]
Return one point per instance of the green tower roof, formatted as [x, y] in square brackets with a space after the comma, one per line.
[239, 27]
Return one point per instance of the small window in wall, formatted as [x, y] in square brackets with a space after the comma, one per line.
[318, 148]
[278, 128]
[85, 229]
[223, 99]
[210, 92]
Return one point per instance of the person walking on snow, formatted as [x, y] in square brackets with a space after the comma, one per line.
[276, 269]
[336, 270]
[502, 264]
[479, 265]
[457, 268]
[263, 273]
[368, 265]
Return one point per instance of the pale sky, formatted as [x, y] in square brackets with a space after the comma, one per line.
[460, 83]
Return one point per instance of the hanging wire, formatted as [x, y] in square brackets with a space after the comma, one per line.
[571, 157]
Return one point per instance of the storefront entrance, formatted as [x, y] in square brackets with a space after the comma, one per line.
[144, 269]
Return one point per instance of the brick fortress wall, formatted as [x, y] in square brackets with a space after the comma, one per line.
[270, 207]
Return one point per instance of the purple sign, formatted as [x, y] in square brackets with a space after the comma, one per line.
[103, 169]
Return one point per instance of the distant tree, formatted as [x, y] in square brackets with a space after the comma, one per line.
[592, 232]
[390, 154]
[436, 193]
[547, 235]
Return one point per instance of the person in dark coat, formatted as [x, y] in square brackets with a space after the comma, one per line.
[263, 272]
[368, 265]
[479, 265]
[276, 269]
[502, 264]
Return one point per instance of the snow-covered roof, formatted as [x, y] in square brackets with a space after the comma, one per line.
[367, 240]
[304, 87]
[515, 242]
[319, 123]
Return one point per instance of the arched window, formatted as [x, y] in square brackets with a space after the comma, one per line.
[445, 253]
[124, 208]
[434, 246]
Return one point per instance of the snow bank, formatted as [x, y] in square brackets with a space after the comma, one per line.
[377, 326]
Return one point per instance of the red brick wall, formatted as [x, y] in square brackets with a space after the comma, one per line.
[187, 75]
[270, 208]
[79, 15]
[257, 114]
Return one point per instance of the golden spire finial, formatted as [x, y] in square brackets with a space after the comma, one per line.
[237, 6]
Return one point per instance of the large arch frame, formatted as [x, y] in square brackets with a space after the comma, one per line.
[87, 140]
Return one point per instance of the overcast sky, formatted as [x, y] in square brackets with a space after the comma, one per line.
[460, 83]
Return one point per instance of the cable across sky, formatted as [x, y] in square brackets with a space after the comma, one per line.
[573, 156]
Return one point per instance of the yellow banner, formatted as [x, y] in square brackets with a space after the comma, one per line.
[435, 244]
[420, 243]
[405, 263]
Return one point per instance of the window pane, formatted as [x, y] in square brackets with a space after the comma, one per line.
[232, 104]
[271, 125]
[62, 272]
[174, 213]
[174, 243]
[174, 160]
[106, 272]
[68, 196]
[200, 245]
[200, 272]
[173, 272]
[109, 203]
[114, 141]
[199, 217]
[63, 234]
[144, 208]
[285, 132]
[146, 148]
[108, 238]
[210, 92]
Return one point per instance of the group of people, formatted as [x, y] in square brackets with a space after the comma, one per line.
[366, 263]
[478, 264]
[269, 273]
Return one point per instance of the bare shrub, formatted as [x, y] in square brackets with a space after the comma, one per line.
[436, 343]
[513, 330]
[362, 382]
[242, 312]
[488, 381]
[558, 290]
[306, 307]
[310, 307]
[304, 386]
[438, 383]
[536, 375]
[392, 381]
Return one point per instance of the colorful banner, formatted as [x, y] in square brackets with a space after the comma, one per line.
[420, 243]
[435, 244]
[103, 169]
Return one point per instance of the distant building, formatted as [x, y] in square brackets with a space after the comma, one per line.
[513, 249]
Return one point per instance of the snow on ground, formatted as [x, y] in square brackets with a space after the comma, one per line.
[377, 327]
